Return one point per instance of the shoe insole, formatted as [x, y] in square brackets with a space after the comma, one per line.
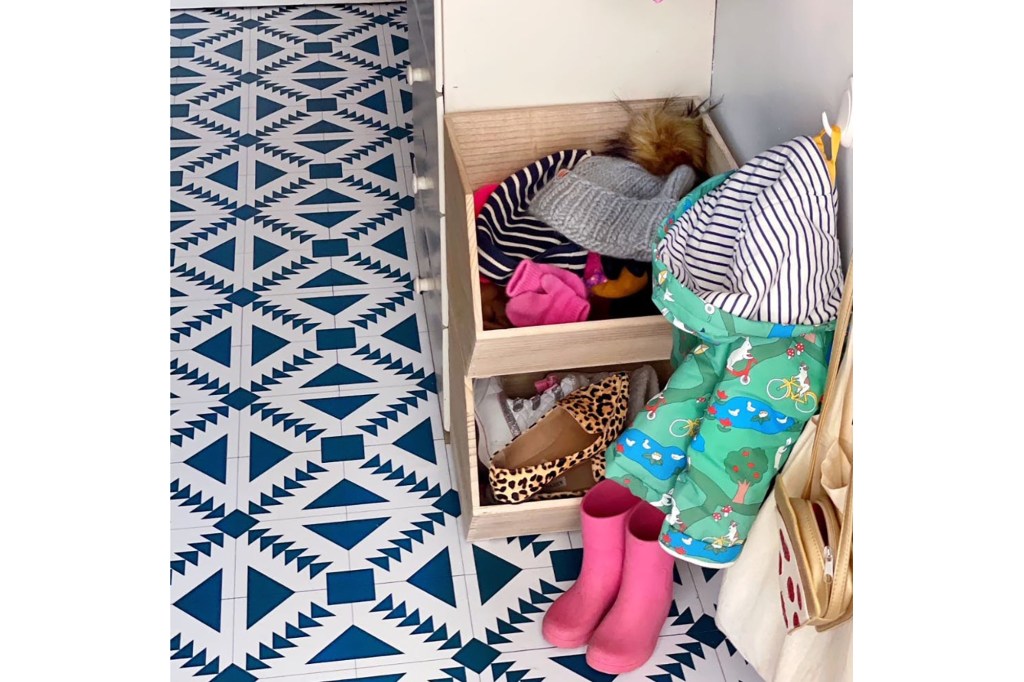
[555, 436]
[580, 477]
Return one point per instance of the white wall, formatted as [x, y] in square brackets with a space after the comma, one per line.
[514, 53]
[777, 65]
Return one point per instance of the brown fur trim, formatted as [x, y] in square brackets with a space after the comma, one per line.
[662, 137]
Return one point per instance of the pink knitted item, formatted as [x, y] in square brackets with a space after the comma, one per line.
[554, 303]
[528, 274]
[628, 634]
[481, 195]
[573, 617]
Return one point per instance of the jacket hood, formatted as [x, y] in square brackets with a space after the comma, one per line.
[760, 243]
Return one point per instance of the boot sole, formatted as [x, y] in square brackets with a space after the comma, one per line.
[563, 643]
[614, 668]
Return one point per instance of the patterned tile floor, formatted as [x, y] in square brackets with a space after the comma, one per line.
[314, 531]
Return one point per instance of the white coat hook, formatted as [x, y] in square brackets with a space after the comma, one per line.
[844, 120]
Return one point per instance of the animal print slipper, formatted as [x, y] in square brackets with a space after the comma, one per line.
[563, 453]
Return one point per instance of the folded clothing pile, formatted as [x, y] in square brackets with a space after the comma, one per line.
[569, 230]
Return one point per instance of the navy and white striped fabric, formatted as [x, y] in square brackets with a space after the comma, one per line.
[506, 234]
[763, 245]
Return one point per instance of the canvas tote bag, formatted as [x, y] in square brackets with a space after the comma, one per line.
[816, 519]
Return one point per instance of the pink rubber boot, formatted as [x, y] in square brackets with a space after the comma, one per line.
[626, 637]
[570, 621]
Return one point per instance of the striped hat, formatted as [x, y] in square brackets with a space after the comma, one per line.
[507, 234]
[763, 244]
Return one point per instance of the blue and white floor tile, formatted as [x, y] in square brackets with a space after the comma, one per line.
[314, 520]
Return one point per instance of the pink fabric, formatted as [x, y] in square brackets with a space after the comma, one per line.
[571, 620]
[527, 279]
[543, 294]
[628, 634]
[481, 195]
[593, 273]
[550, 381]
[555, 303]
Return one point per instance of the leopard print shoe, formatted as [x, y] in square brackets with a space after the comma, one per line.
[548, 459]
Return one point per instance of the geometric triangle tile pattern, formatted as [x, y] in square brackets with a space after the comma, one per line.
[315, 522]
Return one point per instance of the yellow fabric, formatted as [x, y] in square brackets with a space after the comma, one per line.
[830, 159]
[626, 285]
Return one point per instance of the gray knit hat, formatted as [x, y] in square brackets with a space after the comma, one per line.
[611, 205]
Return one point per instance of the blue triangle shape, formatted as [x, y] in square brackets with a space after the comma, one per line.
[187, 18]
[578, 664]
[266, 652]
[263, 252]
[222, 254]
[352, 644]
[337, 376]
[492, 573]
[394, 244]
[322, 84]
[265, 344]
[203, 602]
[322, 127]
[233, 673]
[265, 107]
[211, 668]
[419, 441]
[179, 134]
[266, 173]
[217, 348]
[253, 663]
[328, 218]
[323, 146]
[263, 455]
[345, 493]
[326, 196]
[339, 407]
[319, 66]
[232, 109]
[405, 333]
[334, 304]
[346, 534]
[212, 460]
[435, 578]
[315, 15]
[265, 49]
[377, 102]
[317, 29]
[234, 51]
[456, 673]
[385, 168]
[369, 45]
[331, 278]
[263, 595]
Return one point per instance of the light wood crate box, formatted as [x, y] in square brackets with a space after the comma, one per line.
[488, 146]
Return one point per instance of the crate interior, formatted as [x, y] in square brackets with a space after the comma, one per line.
[522, 386]
[493, 144]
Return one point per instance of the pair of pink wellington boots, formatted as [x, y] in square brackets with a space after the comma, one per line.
[624, 591]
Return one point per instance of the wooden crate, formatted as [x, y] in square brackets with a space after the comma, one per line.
[488, 146]
[481, 520]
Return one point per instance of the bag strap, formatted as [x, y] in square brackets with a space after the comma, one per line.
[843, 561]
[838, 344]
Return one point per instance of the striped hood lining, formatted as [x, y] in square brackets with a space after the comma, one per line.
[507, 234]
[763, 245]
